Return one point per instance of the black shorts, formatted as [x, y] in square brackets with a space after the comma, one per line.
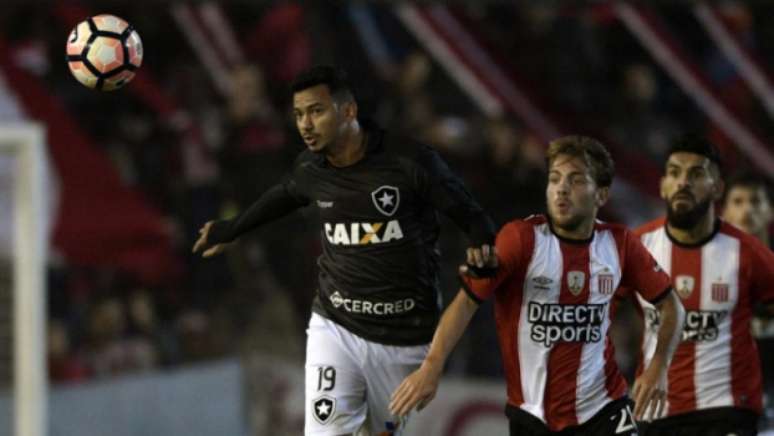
[615, 419]
[720, 421]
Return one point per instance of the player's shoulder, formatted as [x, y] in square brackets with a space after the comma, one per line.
[389, 144]
[306, 159]
[521, 225]
[732, 231]
[650, 227]
[746, 240]
[407, 149]
[610, 227]
[619, 232]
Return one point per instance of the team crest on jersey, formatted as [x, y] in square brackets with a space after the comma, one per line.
[575, 281]
[684, 286]
[720, 292]
[605, 284]
[323, 409]
[386, 199]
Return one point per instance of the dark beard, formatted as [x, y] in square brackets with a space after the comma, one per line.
[690, 218]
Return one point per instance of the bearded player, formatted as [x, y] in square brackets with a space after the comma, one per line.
[722, 275]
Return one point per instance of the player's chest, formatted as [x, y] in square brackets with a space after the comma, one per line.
[362, 208]
[707, 278]
[574, 274]
[708, 287]
[361, 196]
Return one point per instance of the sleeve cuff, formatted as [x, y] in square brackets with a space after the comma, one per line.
[661, 296]
[220, 232]
[469, 291]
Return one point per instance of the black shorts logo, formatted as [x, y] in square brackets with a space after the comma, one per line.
[323, 409]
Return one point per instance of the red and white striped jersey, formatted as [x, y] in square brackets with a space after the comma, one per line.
[719, 281]
[552, 309]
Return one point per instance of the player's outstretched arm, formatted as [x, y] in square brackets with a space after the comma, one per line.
[650, 388]
[276, 202]
[419, 388]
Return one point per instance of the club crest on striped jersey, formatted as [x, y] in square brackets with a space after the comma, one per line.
[386, 199]
[720, 292]
[684, 286]
[605, 284]
[575, 281]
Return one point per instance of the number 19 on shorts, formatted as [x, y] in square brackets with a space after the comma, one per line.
[326, 378]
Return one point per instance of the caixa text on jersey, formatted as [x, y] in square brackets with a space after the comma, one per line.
[363, 233]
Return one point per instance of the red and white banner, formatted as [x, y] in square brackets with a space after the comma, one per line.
[664, 49]
[744, 61]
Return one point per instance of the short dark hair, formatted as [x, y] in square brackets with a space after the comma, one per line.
[593, 153]
[749, 180]
[697, 144]
[334, 78]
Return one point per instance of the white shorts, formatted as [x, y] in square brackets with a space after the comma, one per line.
[349, 381]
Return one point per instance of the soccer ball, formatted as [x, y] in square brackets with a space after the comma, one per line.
[104, 52]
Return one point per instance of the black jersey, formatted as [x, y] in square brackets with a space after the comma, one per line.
[379, 268]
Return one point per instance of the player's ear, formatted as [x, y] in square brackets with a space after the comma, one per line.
[662, 188]
[602, 195]
[350, 109]
[718, 188]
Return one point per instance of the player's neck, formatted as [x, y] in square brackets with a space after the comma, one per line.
[580, 233]
[698, 233]
[350, 148]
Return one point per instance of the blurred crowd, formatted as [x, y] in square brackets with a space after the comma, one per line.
[575, 59]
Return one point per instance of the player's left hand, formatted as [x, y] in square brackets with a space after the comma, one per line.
[203, 244]
[481, 262]
[416, 390]
[650, 393]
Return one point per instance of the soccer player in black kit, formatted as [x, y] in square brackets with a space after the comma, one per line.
[377, 302]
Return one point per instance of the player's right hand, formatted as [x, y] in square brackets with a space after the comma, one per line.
[649, 392]
[202, 244]
[481, 262]
[416, 390]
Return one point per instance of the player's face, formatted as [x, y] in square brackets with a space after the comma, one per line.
[572, 195]
[319, 118]
[748, 208]
[689, 187]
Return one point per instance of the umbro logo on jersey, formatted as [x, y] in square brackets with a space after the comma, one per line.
[542, 282]
[575, 281]
[363, 233]
[684, 286]
[323, 409]
[386, 199]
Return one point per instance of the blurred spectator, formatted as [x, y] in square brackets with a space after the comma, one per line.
[109, 350]
[64, 363]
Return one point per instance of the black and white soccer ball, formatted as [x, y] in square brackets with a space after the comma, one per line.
[103, 52]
